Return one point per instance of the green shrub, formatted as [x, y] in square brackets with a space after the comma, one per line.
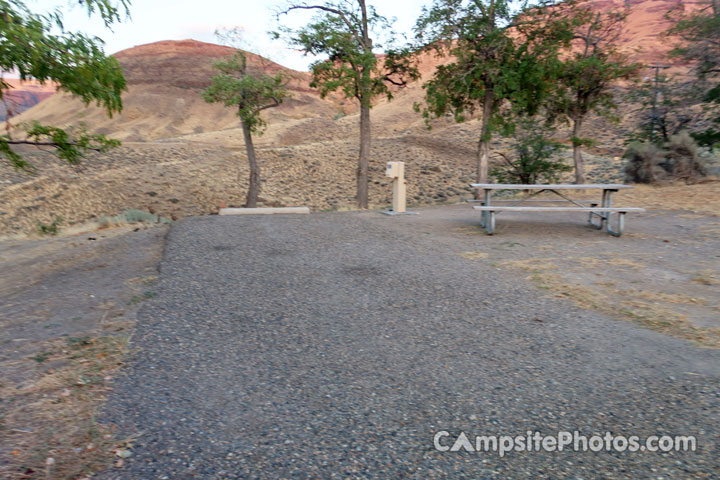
[709, 138]
[49, 229]
[536, 158]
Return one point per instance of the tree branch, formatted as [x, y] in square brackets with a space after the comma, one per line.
[334, 11]
[400, 83]
[276, 102]
[47, 144]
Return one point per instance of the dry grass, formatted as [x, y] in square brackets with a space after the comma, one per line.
[531, 264]
[664, 297]
[474, 255]
[666, 321]
[700, 198]
[705, 277]
[594, 262]
[49, 425]
[650, 309]
[471, 230]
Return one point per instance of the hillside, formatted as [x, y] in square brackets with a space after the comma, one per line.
[23, 95]
[182, 156]
[165, 80]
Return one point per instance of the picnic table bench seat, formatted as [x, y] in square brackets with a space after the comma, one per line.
[602, 210]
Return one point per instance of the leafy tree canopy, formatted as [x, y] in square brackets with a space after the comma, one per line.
[508, 48]
[249, 93]
[38, 46]
[346, 34]
[587, 73]
[700, 35]
[503, 54]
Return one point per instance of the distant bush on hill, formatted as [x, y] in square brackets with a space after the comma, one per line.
[678, 159]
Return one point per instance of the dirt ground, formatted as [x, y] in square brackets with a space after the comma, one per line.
[663, 273]
[67, 309]
[69, 303]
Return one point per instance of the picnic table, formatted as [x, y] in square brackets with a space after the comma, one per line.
[602, 210]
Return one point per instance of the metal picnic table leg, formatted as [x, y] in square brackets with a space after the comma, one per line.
[485, 215]
[607, 202]
[620, 227]
[490, 222]
[604, 216]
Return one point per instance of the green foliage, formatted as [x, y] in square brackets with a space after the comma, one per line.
[38, 46]
[708, 138]
[536, 160]
[594, 65]
[51, 228]
[69, 144]
[345, 34]
[250, 93]
[583, 142]
[80, 342]
[700, 35]
[41, 357]
[589, 71]
[501, 53]
[145, 296]
[672, 112]
[711, 136]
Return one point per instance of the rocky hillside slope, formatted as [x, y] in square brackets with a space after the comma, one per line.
[165, 81]
[23, 95]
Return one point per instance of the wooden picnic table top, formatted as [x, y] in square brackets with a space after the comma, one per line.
[559, 186]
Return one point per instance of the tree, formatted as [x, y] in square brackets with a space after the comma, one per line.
[75, 61]
[344, 32]
[666, 107]
[700, 36]
[250, 93]
[589, 72]
[535, 152]
[504, 54]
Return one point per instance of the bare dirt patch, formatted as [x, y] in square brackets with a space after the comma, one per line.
[662, 274]
[68, 308]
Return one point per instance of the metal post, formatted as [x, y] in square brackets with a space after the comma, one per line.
[656, 92]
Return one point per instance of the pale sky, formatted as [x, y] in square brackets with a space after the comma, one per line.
[155, 20]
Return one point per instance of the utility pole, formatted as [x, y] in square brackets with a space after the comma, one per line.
[656, 93]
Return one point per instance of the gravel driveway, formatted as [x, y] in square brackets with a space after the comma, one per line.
[338, 344]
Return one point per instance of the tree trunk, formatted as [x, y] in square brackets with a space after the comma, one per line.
[483, 151]
[577, 154]
[254, 188]
[364, 160]
[365, 98]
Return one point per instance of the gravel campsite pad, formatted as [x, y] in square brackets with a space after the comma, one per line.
[339, 344]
